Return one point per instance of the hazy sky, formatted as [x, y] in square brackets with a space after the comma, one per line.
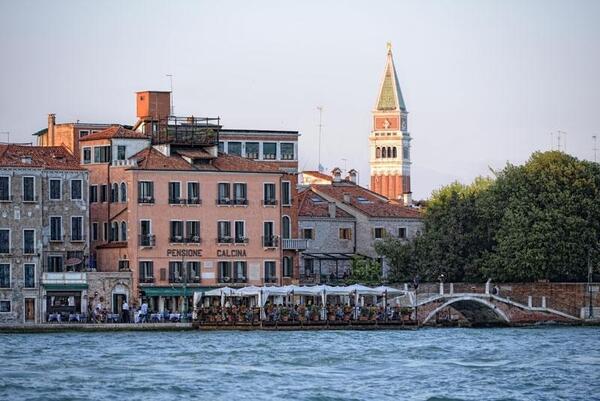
[485, 82]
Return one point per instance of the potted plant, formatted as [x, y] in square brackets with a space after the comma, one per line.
[314, 312]
[285, 314]
[364, 313]
[301, 313]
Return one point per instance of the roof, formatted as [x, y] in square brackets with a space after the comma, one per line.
[117, 131]
[152, 159]
[258, 131]
[313, 205]
[318, 174]
[365, 201]
[46, 157]
[390, 95]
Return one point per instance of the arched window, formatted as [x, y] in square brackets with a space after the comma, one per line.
[378, 152]
[114, 231]
[123, 231]
[394, 152]
[123, 192]
[287, 266]
[389, 152]
[383, 152]
[114, 192]
[285, 227]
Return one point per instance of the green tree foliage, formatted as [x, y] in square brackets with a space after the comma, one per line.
[365, 271]
[532, 222]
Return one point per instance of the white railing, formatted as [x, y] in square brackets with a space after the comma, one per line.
[118, 163]
[294, 243]
[64, 278]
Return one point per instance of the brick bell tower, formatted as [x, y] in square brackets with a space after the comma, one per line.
[389, 142]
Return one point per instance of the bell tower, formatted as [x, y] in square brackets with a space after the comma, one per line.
[389, 142]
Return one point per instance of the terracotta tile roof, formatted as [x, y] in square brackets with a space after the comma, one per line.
[366, 201]
[152, 159]
[313, 205]
[117, 131]
[318, 174]
[46, 157]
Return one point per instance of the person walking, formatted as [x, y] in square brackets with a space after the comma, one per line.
[125, 311]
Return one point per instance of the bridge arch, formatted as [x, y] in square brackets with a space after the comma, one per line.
[475, 309]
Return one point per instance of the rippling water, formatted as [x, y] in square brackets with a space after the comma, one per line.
[429, 364]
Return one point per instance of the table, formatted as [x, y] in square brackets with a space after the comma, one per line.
[156, 317]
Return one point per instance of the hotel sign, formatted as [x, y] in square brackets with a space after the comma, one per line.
[190, 253]
[232, 253]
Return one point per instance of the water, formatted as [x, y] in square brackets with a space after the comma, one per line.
[429, 364]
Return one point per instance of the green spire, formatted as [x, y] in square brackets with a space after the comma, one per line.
[390, 96]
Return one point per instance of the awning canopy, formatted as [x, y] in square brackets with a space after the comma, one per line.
[65, 287]
[171, 291]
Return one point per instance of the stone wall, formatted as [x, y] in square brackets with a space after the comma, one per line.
[102, 286]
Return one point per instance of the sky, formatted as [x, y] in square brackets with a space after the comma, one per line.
[485, 82]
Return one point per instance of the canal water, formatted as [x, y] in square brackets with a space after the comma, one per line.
[552, 363]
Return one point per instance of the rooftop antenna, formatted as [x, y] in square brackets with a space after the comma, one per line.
[345, 164]
[171, 83]
[595, 148]
[320, 108]
[560, 134]
[551, 140]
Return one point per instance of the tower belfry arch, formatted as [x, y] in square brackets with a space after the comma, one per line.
[389, 141]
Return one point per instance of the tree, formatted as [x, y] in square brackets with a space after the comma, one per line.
[365, 271]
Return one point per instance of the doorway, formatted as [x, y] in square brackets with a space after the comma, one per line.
[118, 300]
[30, 309]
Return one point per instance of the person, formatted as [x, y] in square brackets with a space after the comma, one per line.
[144, 312]
[125, 312]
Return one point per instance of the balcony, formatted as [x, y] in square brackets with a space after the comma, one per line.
[148, 240]
[270, 280]
[175, 279]
[185, 240]
[64, 278]
[176, 201]
[146, 200]
[294, 244]
[194, 201]
[241, 240]
[146, 280]
[240, 202]
[269, 202]
[224, 240]
[232, 280]
[224, 202]
[270, 241]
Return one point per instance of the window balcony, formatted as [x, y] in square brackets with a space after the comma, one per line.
[269, 202]
[224, 201]
[224, 240]
[240, 279]
[270, 280]
[176, 279]
[193, 240]
[224, 279]
[270, 242]
[240, 202]
[146, 280]
[194, 201]
[241, 240]
[294, 244]
[177, 201]
[147, 240]
[146, 200]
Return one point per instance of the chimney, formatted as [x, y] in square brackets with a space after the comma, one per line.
[51, 129]
[331, 210]
[337, 174]
[346, 198]
[352, 176]
[407, 198]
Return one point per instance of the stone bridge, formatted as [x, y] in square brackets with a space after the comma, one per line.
[481, 309]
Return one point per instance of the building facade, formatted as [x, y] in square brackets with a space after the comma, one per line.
[389, 142]
[342, 220]
[43, 233]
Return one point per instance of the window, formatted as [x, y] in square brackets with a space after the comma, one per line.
[101, 154]
[145, 192]
[123, 192]
[234, 148]
[286, 193]
[123, 231]
[4, 275]
[174, 193]
[84, 132]
[269, 151]
[270, 274]
[309, 267]
[308, 233]
[239, 271]
[56, 228]
[4, 306]
[287, 266]
[121, 152]
[175, 272]
[240, 194]
[4, 240]
[55, 189]
[402, 232]
[286, 227]
[224, 272]
[378, 152]
[193, 193]
[28, 189]
[114, 193]
[95, 231]
[346, 233]
[55, 264]
[252, 150]
[394, 152]
[114, 231]
[28, 241]
[103, 192]
[269, 194]
[192, 231]
[29, 274]
[223, 193]
[76, 190]
[76, 228]
[221, 147]
[93, 193]
[176, 230]
[287, 151]
[4, 188]
[146, 272]
[193, 271]
[87, 155]
[269, 239]
[240, 232]
[105, 231]
[146, 237]
[224, 232]
[378, 232]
